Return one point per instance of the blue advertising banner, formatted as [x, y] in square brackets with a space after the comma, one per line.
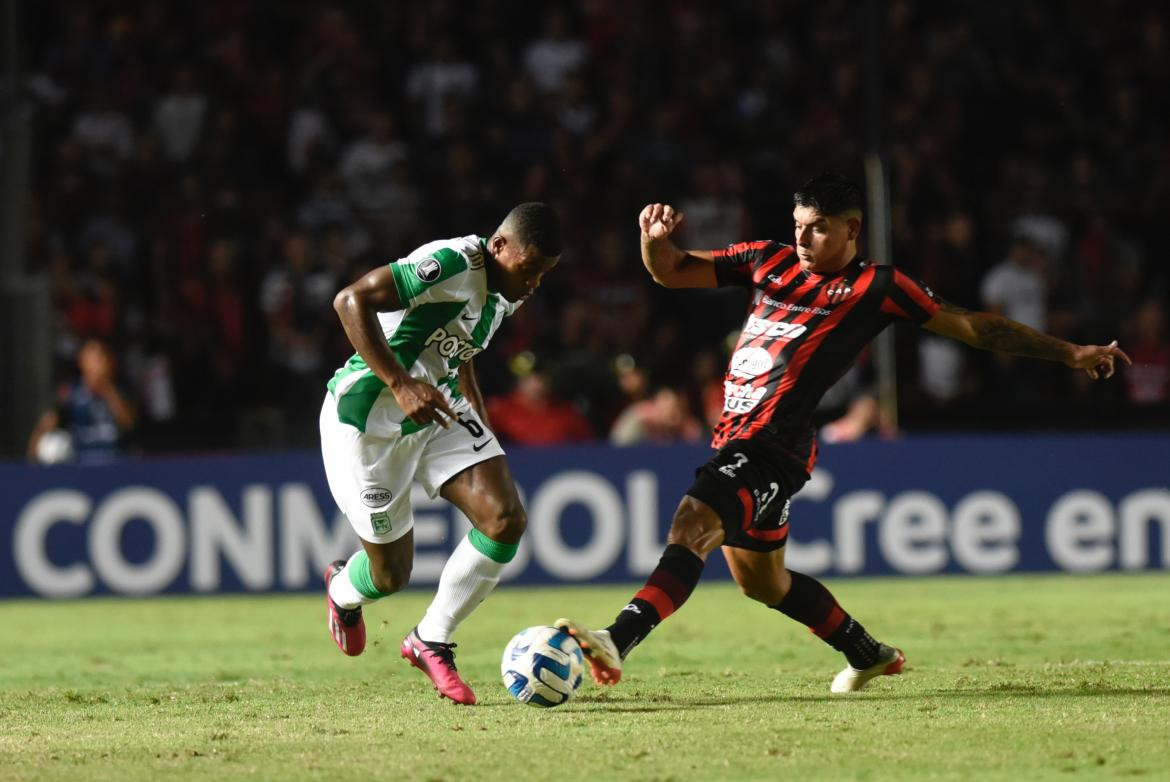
[918, 505]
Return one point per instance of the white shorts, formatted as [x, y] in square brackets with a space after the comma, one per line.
[370, 477]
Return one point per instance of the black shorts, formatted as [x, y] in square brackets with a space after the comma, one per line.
[750, 484]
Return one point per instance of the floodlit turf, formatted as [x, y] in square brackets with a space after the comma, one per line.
[1020, 678]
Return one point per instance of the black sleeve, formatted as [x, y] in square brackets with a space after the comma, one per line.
[735, 263]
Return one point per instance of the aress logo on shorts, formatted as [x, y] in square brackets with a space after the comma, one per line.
[428, 270]
[376, 497]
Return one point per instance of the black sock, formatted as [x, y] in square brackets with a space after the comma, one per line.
[666, 590]
[810, 603]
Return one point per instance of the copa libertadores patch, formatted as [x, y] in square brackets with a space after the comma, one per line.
[428, 270]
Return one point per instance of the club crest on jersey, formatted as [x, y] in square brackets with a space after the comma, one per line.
[428, 270]
[838, 291]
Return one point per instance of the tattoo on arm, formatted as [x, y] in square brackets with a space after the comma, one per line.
[1001, 334]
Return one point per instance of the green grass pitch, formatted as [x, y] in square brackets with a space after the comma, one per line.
[1027, 677]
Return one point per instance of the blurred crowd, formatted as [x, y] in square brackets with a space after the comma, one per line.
[207, 176]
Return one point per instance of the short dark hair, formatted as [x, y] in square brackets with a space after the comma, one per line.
[830, 194]
[535, 223]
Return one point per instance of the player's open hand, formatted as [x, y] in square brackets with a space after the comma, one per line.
[1098, 360]
[423, 403]
[658, 221]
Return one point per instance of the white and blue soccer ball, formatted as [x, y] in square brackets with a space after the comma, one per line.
[543, 666]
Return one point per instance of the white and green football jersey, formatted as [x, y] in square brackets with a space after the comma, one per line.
[448, 317]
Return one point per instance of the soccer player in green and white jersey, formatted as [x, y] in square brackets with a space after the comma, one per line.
[407, 407]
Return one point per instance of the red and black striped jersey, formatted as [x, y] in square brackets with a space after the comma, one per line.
[802, 332]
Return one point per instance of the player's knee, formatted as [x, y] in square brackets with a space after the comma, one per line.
[768, 594]
[768, 589]
[506, 524]
[390, 577]
[696, 526]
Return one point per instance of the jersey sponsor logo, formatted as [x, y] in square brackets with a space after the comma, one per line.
[428, 270]
[838, 291]
[741, 399]
[375, 496]
[452, 346]
[480, 446]
[762, 327]
[783, 305]
[750, 362]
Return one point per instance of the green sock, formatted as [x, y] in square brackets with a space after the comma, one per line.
[358, 570]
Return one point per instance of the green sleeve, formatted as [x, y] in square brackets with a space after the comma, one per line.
[414, 278]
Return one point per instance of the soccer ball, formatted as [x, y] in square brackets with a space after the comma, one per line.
[55, 447]
[542, 666]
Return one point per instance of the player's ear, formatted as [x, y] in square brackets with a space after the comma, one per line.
[854, 224]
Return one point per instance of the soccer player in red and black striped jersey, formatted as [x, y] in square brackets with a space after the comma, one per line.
[814, 305]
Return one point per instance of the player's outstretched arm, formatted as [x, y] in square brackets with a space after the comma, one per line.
[668, 265]
[358, 305]
[995, 332]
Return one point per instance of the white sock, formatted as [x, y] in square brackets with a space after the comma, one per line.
[467, 579]
[343, 592]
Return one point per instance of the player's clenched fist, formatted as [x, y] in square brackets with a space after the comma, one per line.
[659, 220]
